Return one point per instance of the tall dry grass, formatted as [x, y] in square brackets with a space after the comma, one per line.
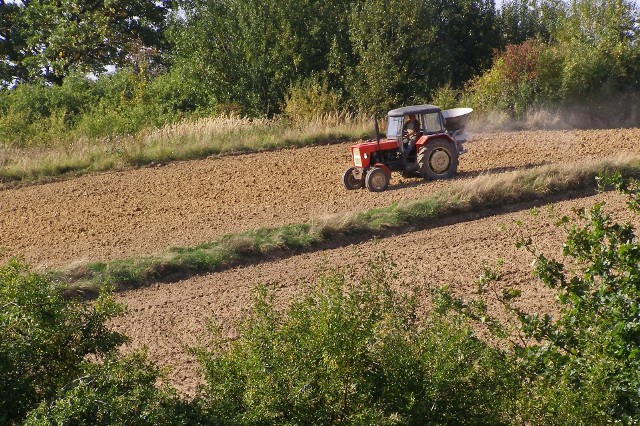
[185, 140]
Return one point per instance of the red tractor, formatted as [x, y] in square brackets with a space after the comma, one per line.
[421, 140]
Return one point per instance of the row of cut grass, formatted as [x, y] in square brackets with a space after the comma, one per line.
[481, 193]
[186, 140]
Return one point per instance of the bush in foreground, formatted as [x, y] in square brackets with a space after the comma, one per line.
[59, 365]
[583, 365]
[120, 391]
[45, 338]
[593, 348]
[353, 353]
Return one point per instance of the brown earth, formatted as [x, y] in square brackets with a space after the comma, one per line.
[167, 318]
[137, 212]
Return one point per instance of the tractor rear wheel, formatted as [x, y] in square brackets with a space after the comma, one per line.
[350, 181]
[377, 180]
[438, 160]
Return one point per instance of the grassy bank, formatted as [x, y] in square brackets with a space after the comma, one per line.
[185, 140]
[481, 193]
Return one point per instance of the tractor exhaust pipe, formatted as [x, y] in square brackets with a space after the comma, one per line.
[377, 129]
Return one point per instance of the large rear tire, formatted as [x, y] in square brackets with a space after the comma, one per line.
[438, 160]
[377, 180]
[350, 181]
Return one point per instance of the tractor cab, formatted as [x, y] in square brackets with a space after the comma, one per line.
[420, 140]
[429, 117]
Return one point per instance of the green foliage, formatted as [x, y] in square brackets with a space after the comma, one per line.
[522, 20]
[374, 53]
[597, 336]
[589, 55]
[122, 103]
[256, 58]
[59, 365]
[44, 338]
[49, 39]
[446, 97]
[12, 42]
[311, 99]
[599, 22]
[260, 48]
[352, 353]
[581, 366]
[120, 391]
[592, 349]
[405, 50]
[511, 84]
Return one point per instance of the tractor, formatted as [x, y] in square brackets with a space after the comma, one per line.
[430, 150]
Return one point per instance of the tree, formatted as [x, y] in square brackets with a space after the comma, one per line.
[12, 44]
[49, 38]
[405, 50]
[246, 54]
[600, 22]
[521, 20]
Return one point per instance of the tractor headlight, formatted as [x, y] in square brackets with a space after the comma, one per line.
[357, 161]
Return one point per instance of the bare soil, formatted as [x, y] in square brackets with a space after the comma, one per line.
[167, 318]
[137, 212]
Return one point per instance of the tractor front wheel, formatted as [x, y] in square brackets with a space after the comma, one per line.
[438, 160]
[350, 181]
[377, 180]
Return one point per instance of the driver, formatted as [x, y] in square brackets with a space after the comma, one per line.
[411, 130]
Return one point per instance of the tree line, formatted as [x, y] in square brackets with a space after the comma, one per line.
[265, 57]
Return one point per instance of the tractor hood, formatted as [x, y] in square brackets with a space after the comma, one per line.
[369, 146]
[455, 119]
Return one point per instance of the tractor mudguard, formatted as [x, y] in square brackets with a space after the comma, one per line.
[424, 140]
[384, 168]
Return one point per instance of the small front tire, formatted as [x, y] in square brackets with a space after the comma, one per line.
[350, 181]
[377, 180]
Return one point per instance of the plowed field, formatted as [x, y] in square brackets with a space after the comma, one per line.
[137, 212]
[120, 214]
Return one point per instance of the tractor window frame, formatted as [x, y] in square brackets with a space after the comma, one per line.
[394, 127]
[432, 122]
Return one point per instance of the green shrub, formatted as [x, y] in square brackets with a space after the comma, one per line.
[533, 75]
[446, 97]
[593, 347]
[311, 99]
[120, 391]
[174, 92]
[44, 338]
[117, 104]
[352, 353]
[581, 366]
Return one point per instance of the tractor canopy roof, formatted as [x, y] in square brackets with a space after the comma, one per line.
[414, 109]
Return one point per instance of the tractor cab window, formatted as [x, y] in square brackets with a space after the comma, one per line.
[394, 128]
[433, 123]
